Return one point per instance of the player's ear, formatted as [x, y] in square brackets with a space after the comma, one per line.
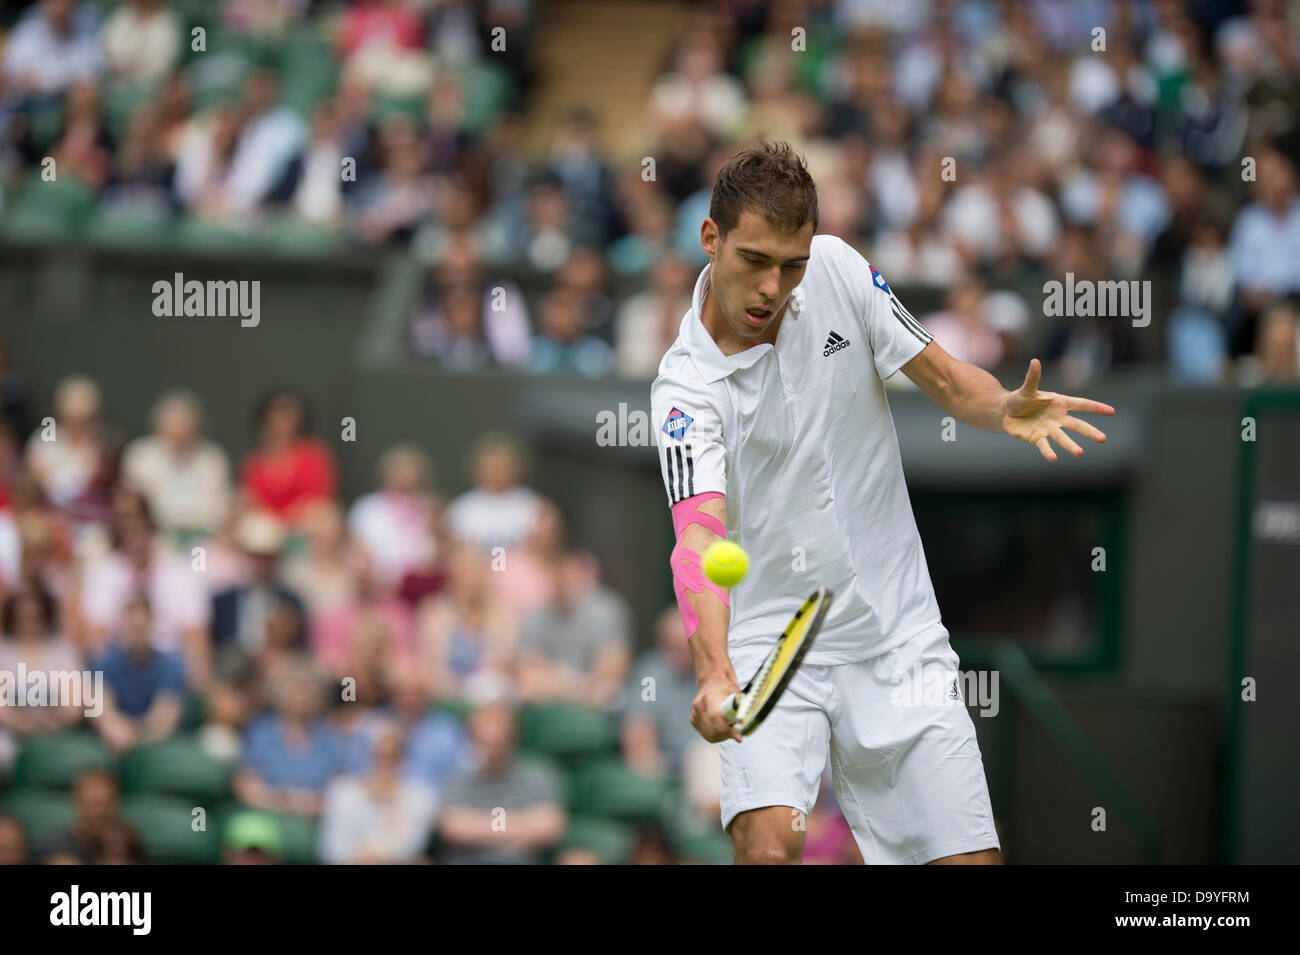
[710, 238]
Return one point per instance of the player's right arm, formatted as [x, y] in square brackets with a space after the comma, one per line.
[692, 458]
[704, 605]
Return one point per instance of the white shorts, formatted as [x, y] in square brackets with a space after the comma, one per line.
[906, 767]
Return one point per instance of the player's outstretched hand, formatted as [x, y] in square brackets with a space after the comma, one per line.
[1034, 416]
[706, 711]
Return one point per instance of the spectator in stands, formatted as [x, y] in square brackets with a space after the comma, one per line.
[437, 748]
[84, 147]
[222, 734]
[1276, 360]
[699, 89]
[963, 328]
[578, 647]
[649, 236]
[1127, 207]
[387, 26]
[526, 581]
[647, 322]
[995, 217]
[565, 346]
[31, 639]
[52, 47]
[205, 154]
[242, 615]
[501, 331]
[96, 797]
[544, 240]
[118, 844]
[393, 205]
[498, 511]
[145, 687]
[583, 175]
[252, 838]
[922, 252]
[375, 617]
[660, 687]
[393, 523]
[1265, 243]
[13, 842]
[290, 469]
[321, 571]
[68, 458]
[314, 179]
[270, 137]
[453, 333]
[141, 180]
[1198, 326]
[585, 273]
[290, 755]
[174, 590]
[381, 817]
[527, 792]
[142, 41]
[184, 476]
[467, 629]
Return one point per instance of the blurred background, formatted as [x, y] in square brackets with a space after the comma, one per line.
[368, 577]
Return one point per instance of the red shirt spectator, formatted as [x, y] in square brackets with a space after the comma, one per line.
[281, 481]
[381, 22]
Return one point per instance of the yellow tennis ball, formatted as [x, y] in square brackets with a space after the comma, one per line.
[725, 563]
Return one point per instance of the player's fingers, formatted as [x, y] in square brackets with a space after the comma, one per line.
[1088, 406]
[1032, 377]
[1045, 449]
[1065, 441]
[1082, 427]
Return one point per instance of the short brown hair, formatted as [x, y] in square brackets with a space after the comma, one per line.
[770, 179]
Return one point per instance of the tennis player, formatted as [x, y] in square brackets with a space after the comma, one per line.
[777, 434]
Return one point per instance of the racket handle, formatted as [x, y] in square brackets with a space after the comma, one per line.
[730, 706]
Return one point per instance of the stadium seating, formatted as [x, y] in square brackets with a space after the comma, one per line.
[175, 767]
[54, 761]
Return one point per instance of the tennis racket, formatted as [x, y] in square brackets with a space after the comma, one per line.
[748, 708]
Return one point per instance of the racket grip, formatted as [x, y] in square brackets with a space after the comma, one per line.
[730, 706]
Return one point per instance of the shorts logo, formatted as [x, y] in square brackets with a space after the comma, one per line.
[834, 343]
[880, 281]
[677, 423]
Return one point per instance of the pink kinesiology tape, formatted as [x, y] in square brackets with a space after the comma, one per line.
[688, 572]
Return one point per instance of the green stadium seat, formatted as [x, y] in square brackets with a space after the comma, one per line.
[202, 235]
[705, 848]
[166, 828]
[566, 731]
[611, 841]
[44, 813]
[121, 100]
[126, 229]
[48, 211]
[611, 788]
[176, 767]
[290, 238]
[54, 761]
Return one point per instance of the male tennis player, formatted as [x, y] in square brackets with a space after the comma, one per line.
[777, 434]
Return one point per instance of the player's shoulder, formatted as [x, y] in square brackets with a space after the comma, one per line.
[846, 260]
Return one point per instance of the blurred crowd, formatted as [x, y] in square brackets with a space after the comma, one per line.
[976, 148]
[360, 667]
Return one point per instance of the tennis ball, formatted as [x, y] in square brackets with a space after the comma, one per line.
[725, 563]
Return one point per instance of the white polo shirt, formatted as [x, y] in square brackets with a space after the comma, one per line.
[799, 438]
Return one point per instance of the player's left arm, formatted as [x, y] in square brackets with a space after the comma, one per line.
[974, 397]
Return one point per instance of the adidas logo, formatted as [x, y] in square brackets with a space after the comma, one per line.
[834, 343]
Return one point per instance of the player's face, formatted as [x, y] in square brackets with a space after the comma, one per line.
[755, 268]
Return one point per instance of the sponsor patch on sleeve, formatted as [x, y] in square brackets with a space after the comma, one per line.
[879, 281]
[676, 424]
